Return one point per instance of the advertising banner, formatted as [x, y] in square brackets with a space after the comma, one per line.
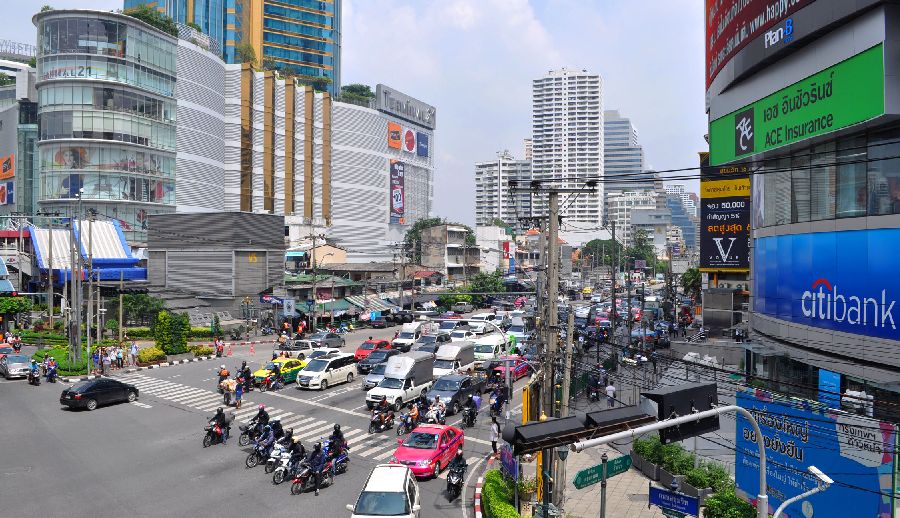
[830, 388]
[409, 140]
[398, 193]
[730, 24]
[422, 144]
[394, 137]
[725, 224]
[847, 93]
[7, 193]
[8, 166]
[841, 281]
[856, 452]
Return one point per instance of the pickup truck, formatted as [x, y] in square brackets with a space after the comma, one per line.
[406, 377]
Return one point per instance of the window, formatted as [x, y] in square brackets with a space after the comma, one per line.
[884, 172]
[800, 187]
[822, 181]
[851, 177]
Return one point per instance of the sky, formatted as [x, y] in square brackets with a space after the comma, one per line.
[474, 60]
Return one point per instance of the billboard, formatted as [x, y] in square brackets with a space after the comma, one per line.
[7, 193]
[724, 222]
[422, 144]
[840, 281]
[856, 452]
[398, 193]
[847, 93]
[394, 135]
[389, 100]
[409, 140]
[731, 24]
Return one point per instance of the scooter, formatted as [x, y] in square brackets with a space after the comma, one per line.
[278, 457]
[213, 435]
[432, 417]
[455, 479]
[406, 424]
[34, 378]
[259, 454]
[249, 433]
[377, 425]
[287, 472]
[51, 375]
[468, 418]
[342, 462]
[304, 480]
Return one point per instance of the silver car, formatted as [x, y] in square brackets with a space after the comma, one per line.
[15, 366]
[374, 377]
[326, 339]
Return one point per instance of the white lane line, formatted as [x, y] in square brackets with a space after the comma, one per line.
[462, 499]
[142, 405]
[315, 423]
[350, 432]
[281, 417]
[297, 421]
[384, 455]
[313, 433]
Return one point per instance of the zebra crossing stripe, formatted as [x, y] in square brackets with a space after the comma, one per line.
[351, 431]
[187, 395]
[296, 421]
[384, 455]
[208, 406]
[313, 433]
[281, 416]
[370, 451]
[175, 391]
[245, 412]
[315, 423]
[196, 397]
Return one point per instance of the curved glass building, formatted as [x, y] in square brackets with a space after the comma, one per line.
[106, 108]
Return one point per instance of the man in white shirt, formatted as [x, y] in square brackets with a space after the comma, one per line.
[610, 395]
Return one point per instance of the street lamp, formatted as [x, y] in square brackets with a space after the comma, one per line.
[823, 482]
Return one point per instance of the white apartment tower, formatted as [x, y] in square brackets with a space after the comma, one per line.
[493, 196]
[567, 140]
[623, 157]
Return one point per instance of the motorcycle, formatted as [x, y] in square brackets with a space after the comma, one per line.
[259, 454]
[51, 375]
[496, 407]
[342, 462]
[270, 383]
[278, 457]
[468, 418]
[17, 347]
[267, 330]
[34, 378]
[287, 472]
[432, 417]
[249, 433]
[376, 425]
[594, 393]
[455, 479]
[213, 435]
[406, 424]
[304, 480]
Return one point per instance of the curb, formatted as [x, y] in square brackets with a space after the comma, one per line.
[478, 484]
[254, 342]
[136, 369]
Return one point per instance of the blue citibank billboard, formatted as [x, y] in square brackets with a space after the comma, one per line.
[857, 452]
[842, 281]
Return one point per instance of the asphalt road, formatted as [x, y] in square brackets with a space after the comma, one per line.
[146, 458]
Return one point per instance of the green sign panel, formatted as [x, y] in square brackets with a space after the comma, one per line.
[839, 96]
[590, 476]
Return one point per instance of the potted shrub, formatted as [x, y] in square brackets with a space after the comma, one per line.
[527, 488]
[675, 463]
[640, 450]
[697, 483]
[650, 463]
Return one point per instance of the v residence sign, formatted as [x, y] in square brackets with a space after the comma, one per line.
[845, 94]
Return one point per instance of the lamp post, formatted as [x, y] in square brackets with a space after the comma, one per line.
[823, 482]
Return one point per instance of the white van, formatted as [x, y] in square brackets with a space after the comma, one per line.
[390, 490]
[327, 370]
[454, 357]
[489, 347]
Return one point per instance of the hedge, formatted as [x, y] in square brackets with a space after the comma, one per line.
[726, 504]
[677, 461]
[196, 333]
[150, 355]
[201, 350]
[497, 496]
[44, 337]
[61, 354]
[139, 332]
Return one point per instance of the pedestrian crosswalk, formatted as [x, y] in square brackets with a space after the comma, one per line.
[378, 447]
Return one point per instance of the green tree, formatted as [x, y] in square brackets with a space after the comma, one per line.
[245, 53]
[6, 80]
[318, 83]
[357, 93]
[45, 8]
[413, 237]
[692, 282]
[486, 283]
[641, 248]
[151, 16]
[194, 26]
[162, 332]
[216, 326]
[602, 250]
[15, 305]
[138, 309]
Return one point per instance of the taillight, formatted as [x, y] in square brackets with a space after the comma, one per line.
[77, 396]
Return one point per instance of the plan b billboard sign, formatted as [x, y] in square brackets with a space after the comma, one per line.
[725, 224]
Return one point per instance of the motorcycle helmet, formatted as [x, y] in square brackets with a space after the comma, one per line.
[222, 367]
[262, 407]
[337, 427]
[318, 446]
[267, 428]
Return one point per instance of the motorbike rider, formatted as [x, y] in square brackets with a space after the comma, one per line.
[276, 376]
[472, 408]
[317, 461]
[248, 378]
[277, 430]
[35, 369]
[336, 445]
[498, 395]
[51, 369]
[381, 409]
[297, 451]
[261, 419]
[439, 408]
[413, 413]
[458, 463]
[223, 422]
[223, 373]
[266, 440]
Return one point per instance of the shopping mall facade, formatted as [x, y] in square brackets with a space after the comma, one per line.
[808, 98]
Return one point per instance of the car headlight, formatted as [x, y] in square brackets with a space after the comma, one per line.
[393, 460]
[424, 463]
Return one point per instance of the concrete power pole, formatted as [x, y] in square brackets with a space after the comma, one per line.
[560, 488]
[553, 332]
[50, 273]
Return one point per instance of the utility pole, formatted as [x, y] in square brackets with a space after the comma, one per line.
[612, 274]
[90, 279]
[312, 322]
[553, 328]
[121, 299]
[50, 274]
[564, 401]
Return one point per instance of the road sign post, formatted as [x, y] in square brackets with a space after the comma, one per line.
[603, 478]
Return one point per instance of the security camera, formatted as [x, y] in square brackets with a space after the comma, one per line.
[822, 477]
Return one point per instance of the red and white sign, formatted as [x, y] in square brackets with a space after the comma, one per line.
[409, 140]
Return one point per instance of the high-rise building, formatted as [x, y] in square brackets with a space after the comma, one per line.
[493, 196]
[567, 139]
[622, 205]
[207, 15]
[528, 148]
[623, 156]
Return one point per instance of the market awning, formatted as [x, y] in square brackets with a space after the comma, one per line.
[369, 303]
[295, 253]
[333, 305]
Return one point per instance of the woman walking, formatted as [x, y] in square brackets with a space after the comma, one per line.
[495, 434]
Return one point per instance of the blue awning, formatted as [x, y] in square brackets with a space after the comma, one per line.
[295, 253]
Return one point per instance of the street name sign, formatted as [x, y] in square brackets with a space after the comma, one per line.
[672, 501]
[590, 476]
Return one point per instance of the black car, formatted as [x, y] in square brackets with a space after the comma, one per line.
[454, 389]
[92, 393]
[380, 323]
[374, 358]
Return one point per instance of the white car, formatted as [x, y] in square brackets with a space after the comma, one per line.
[461, 334]
[391, 490]
[324, 371]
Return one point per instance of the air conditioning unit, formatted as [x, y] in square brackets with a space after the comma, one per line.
[739, 286]
[724, 285]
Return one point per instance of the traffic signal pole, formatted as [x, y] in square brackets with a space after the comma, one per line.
[762, 503]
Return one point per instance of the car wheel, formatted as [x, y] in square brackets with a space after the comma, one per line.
[132, 397]
[91, 404]
[455, 408]
[324, 385]
[437, 469]
[301, 356]
[349, 377]
[398, 405]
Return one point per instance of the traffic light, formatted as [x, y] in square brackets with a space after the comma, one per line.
[13, 293]
[682, 400]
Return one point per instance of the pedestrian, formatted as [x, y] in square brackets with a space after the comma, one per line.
[238, 392]
[112, 357]
[104, 359]
[120, 360]
[134, 353]
[610, 395]
[96, 358]
[495, 434]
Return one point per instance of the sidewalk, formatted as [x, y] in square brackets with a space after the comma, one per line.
[626, 494]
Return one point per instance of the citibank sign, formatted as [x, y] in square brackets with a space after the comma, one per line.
[840, 281]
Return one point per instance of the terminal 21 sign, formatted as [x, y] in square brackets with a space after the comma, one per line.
[842, 281]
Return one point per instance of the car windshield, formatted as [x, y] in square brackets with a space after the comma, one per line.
[317, 336]
[17, 358]
[484, 348]
[459, 334]
[378, 355]
[316, 365]
[516, 329]
[427, 339]
[270, 366]
[446, 324]
[406, 334]
[445, 385]
[316, 354]
[391, 383]
[379, 369]
[81, 386]
[367, 346]
[382, 503]
[421, 441]
[443, 364]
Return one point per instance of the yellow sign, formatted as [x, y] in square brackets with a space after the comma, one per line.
[725, 188]
[251, 258]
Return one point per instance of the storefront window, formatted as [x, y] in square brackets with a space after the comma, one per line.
[822, 181]
[884, 172]
[800, 187]
[851, 177]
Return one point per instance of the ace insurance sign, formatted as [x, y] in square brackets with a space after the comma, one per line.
[725, 224]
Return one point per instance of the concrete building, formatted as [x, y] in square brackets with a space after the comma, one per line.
[825, 201]
[18, 141]
[208, 15]
[621, 207]
[567, 135]
[107, 117]
[497, 249]
[655, 223]
[444, 249]
[529, 148]
[623, 157]
[494, 198]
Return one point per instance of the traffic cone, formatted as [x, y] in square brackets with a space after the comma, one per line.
[229, 349]
[252, 348]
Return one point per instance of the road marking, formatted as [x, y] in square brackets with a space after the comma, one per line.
[209, 406]
[282, 416]
[196, 398]
[384, 455]
[381, 444]
[142, 405]
[462, 499]
[315, 432]
[299, 421]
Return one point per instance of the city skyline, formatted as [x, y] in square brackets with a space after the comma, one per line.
[529, 39]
